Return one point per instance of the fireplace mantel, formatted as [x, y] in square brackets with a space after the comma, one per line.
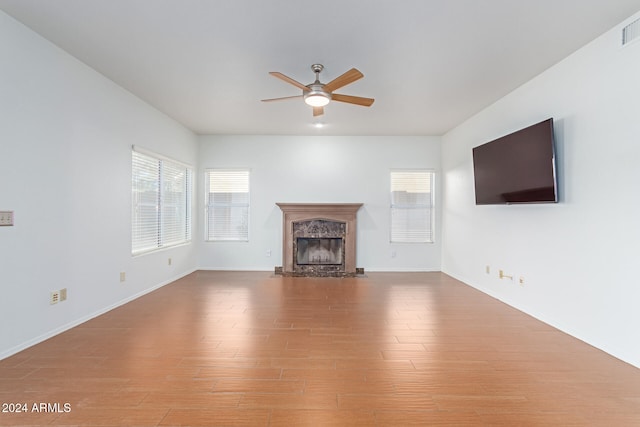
[323, 208]
[298, 212]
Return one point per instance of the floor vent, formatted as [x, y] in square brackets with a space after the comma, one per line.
[631, 32]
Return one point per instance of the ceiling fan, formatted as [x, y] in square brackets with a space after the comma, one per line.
[318, 94]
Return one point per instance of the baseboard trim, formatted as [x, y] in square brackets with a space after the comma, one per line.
[402, 270]
[233, 269]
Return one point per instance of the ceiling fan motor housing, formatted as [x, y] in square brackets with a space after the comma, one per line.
[316, 96]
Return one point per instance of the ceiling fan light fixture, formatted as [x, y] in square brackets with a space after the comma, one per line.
[317, 98]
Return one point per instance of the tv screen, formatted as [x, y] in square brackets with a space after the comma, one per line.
[517, 168]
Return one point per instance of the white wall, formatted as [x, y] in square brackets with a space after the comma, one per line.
[65, 170]
[579, 258]
[319, 169]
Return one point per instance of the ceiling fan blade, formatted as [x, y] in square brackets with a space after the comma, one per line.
[318, 111]
[288, 80]
[281, 99]
[365, 102]
[349, 77]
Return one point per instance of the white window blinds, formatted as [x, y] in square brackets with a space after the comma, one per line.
[412, 206]
[227, 204]
[161, 202]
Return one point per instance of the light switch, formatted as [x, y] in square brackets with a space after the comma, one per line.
[6, 218]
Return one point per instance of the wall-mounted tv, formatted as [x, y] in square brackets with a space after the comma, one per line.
[517, 168]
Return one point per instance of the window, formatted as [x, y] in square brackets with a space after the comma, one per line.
[227, 205]
[412, 206]
[161, 202]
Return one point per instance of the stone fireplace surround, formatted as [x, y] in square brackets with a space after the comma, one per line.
[321, 221]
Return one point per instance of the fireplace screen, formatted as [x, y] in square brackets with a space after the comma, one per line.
[319, 251]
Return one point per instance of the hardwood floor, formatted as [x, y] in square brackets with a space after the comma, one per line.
[247, 348]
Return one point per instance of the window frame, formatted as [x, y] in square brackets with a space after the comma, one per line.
[164, 226]
[429, 206]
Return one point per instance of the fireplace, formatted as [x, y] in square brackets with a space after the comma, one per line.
[319, 239]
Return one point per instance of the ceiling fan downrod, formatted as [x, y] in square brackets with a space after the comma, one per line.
[317, 68]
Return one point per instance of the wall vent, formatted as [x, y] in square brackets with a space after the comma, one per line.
[631, 32]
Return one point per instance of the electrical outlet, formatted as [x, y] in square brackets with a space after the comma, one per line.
[268, 252]
[54, 297]
[487, 269]
[521, 280]
[6, 218]
[169, 261]
[123, 276]
[503, 275]
[63, 294]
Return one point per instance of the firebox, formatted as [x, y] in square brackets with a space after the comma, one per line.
[319, 251]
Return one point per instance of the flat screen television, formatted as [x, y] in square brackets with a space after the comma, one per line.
[517, 168]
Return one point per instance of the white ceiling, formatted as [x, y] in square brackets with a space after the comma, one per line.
[430, 64]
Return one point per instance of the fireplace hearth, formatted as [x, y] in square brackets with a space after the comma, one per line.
[319, 239]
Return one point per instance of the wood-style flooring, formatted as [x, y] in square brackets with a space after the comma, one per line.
[250, 348]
